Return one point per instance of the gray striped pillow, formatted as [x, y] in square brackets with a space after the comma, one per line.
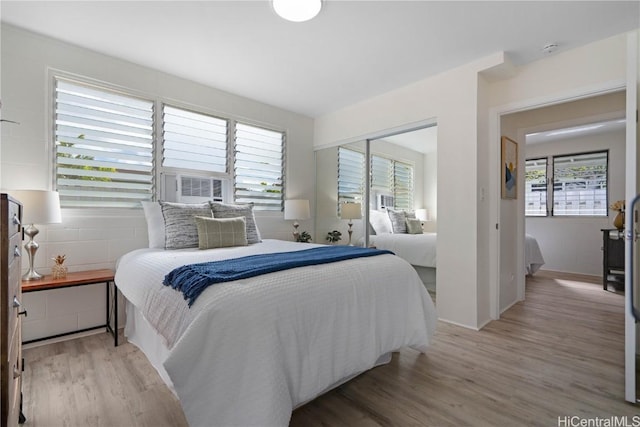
[221, 233]
[223, 210]
[398, 220]
[180, 225]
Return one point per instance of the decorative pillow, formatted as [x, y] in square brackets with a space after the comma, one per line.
[380, 222]
[180, 225]
[221, 233]
[223, 210]
[398, 220]
[155, 224]
[414, 226]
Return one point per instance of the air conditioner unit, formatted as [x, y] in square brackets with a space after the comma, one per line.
[194, 189]
[385, 201]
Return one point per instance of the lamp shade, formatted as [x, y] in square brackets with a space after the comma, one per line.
[351, 211]
[422, 214]
[296, 209]
[39, 206]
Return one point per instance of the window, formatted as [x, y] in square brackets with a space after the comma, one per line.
[193, 141]
[389, 178]
[106, 146]
[258, 167]
[535, 182]
[103, 147]
[381, 175]
[403, 185]
[350, 176]
[578, 185]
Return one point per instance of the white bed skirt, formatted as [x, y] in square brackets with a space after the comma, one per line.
[427, 275]
[141, 334]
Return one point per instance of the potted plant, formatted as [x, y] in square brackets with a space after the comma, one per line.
[334, 236]
[304, 237]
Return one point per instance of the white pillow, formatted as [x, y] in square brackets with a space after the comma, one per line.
[380, 222]
[155, 224]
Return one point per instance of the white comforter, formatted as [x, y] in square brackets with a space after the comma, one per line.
[533, 258]
[417, 249]
[248, 352]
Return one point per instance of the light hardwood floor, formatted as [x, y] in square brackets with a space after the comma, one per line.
[560, 353]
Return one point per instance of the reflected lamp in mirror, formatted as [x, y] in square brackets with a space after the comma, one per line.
[296, 210]
[351, 211]
[38, 207]
[422, 215]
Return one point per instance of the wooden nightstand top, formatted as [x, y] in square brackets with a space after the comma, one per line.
[73, 279]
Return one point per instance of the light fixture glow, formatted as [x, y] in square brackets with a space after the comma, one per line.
[297, 10]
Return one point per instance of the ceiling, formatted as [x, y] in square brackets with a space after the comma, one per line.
[595, 128]
[423, 141]
[351, 51]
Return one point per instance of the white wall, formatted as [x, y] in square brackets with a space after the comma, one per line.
[431, 190]
[467, 109]
[96, 238]
[516, 125]
[573, 244]
[449, 99]
[587, 71]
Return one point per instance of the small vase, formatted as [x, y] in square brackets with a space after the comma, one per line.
[618, 221]
[59, 271]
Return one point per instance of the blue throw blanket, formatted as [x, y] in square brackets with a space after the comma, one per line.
[193, 279]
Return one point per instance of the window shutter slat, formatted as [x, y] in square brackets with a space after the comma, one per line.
[193, 140]
[104, 147]
[258, 167]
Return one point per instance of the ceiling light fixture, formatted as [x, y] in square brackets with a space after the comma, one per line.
[297, 10]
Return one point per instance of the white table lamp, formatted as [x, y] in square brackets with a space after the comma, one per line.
[422, 215]
[296, 209]
[351, 211]
[38, 207]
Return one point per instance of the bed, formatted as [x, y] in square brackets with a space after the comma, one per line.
[416, 249]
[250, 351]
[533, 258]
[401, 233]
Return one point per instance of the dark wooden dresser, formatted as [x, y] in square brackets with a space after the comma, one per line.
[612, 258]
[11, 311]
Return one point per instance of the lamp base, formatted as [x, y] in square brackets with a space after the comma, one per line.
[296, 233]
[31, 247]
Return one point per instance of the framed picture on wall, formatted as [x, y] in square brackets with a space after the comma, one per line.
[509, 168]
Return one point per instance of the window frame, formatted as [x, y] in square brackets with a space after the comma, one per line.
[546, 186]
[53, 121]
[551, 181]
[158, 101]
[232, 160]
[392, 172]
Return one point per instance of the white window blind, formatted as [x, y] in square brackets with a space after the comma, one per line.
[535, 182]
[580, 184]
[350, 176]
[403, 185]
[193, 140]
[381, 175]
[104, 147]
[259, 167]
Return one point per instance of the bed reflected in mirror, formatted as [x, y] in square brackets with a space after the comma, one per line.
[395, 178]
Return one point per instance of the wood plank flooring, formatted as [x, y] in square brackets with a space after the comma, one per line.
[559, 353]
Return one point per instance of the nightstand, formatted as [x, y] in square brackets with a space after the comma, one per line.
[81, 278]
[612, 258]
